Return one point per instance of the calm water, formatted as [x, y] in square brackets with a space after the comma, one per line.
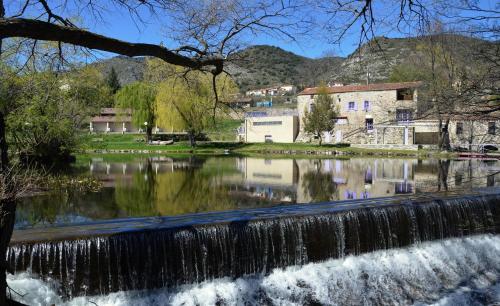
[162, 186]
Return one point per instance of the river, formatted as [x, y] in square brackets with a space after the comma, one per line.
[248, 231]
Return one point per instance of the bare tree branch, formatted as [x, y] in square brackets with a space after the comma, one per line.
[40, 30]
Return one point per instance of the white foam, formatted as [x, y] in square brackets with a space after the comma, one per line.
[450, 272]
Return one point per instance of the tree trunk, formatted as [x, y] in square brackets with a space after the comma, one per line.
[149, 133]
[7, 205]
[444, 135]
[443, 170]
[7, 218]
[471, 135]
[320, 139]
[4, 154]
[192, 139]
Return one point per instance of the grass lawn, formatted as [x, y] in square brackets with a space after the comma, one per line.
[135, 142]
[225, 130]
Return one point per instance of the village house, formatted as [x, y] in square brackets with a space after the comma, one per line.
[272, 91]
[368, 115]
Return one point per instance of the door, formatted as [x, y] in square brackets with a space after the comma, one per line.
[328, 137]
[338, 136]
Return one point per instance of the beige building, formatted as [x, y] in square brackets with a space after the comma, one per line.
[270, 172]
[269, 126]
[374, 114]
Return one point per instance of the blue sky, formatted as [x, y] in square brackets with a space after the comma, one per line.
[120, 25]
[124, 28]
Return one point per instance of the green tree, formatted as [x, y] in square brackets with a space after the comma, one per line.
[141, 98]
[40, 127]
[322, 116]
[48, 109]
[113, 81]
[189, 103]
[10, 89]
[86, 92]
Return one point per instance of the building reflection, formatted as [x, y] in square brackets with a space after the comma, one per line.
[164, 186]
[250, 180]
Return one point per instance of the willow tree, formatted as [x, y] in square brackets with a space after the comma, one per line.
[191, 103]
[140, 97]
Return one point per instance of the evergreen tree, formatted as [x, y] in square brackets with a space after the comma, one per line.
[113, 81]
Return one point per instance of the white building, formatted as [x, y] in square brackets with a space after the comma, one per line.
[282, 126]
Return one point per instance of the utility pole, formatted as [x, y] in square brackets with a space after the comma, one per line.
[367, 75]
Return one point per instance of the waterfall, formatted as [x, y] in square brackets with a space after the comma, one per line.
[167, 256]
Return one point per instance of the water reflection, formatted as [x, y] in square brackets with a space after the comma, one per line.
[172, 186]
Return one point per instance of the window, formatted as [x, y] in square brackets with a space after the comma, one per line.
[268, 138]
[403, 115]
[405, 94]
[460, 128]
[491, 128]
[366, 106]
[267, 123]
[311, 96]
[369, 124]
[352, 106]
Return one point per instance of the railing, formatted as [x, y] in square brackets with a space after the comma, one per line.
[271, 113]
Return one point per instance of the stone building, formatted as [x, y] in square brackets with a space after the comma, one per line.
[370, 115]
[466, 132]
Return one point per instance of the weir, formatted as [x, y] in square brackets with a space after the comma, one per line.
[143, 253]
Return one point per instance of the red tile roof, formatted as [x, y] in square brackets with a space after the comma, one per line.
[370, 87]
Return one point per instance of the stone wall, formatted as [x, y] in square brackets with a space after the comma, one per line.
[474, 133]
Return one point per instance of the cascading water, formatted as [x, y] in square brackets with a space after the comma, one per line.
[172, 255]
[456, 271]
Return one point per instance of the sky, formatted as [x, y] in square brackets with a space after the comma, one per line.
[120, 25]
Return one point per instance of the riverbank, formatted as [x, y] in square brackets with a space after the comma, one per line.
[132, 144]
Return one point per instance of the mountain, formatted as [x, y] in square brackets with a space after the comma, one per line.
[265, 66]
[378, 58]
[127, 68]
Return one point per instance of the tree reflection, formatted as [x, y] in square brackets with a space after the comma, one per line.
[191, 191]
[137, 198]
[189, 188]
[319, 185]
[443, 170]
